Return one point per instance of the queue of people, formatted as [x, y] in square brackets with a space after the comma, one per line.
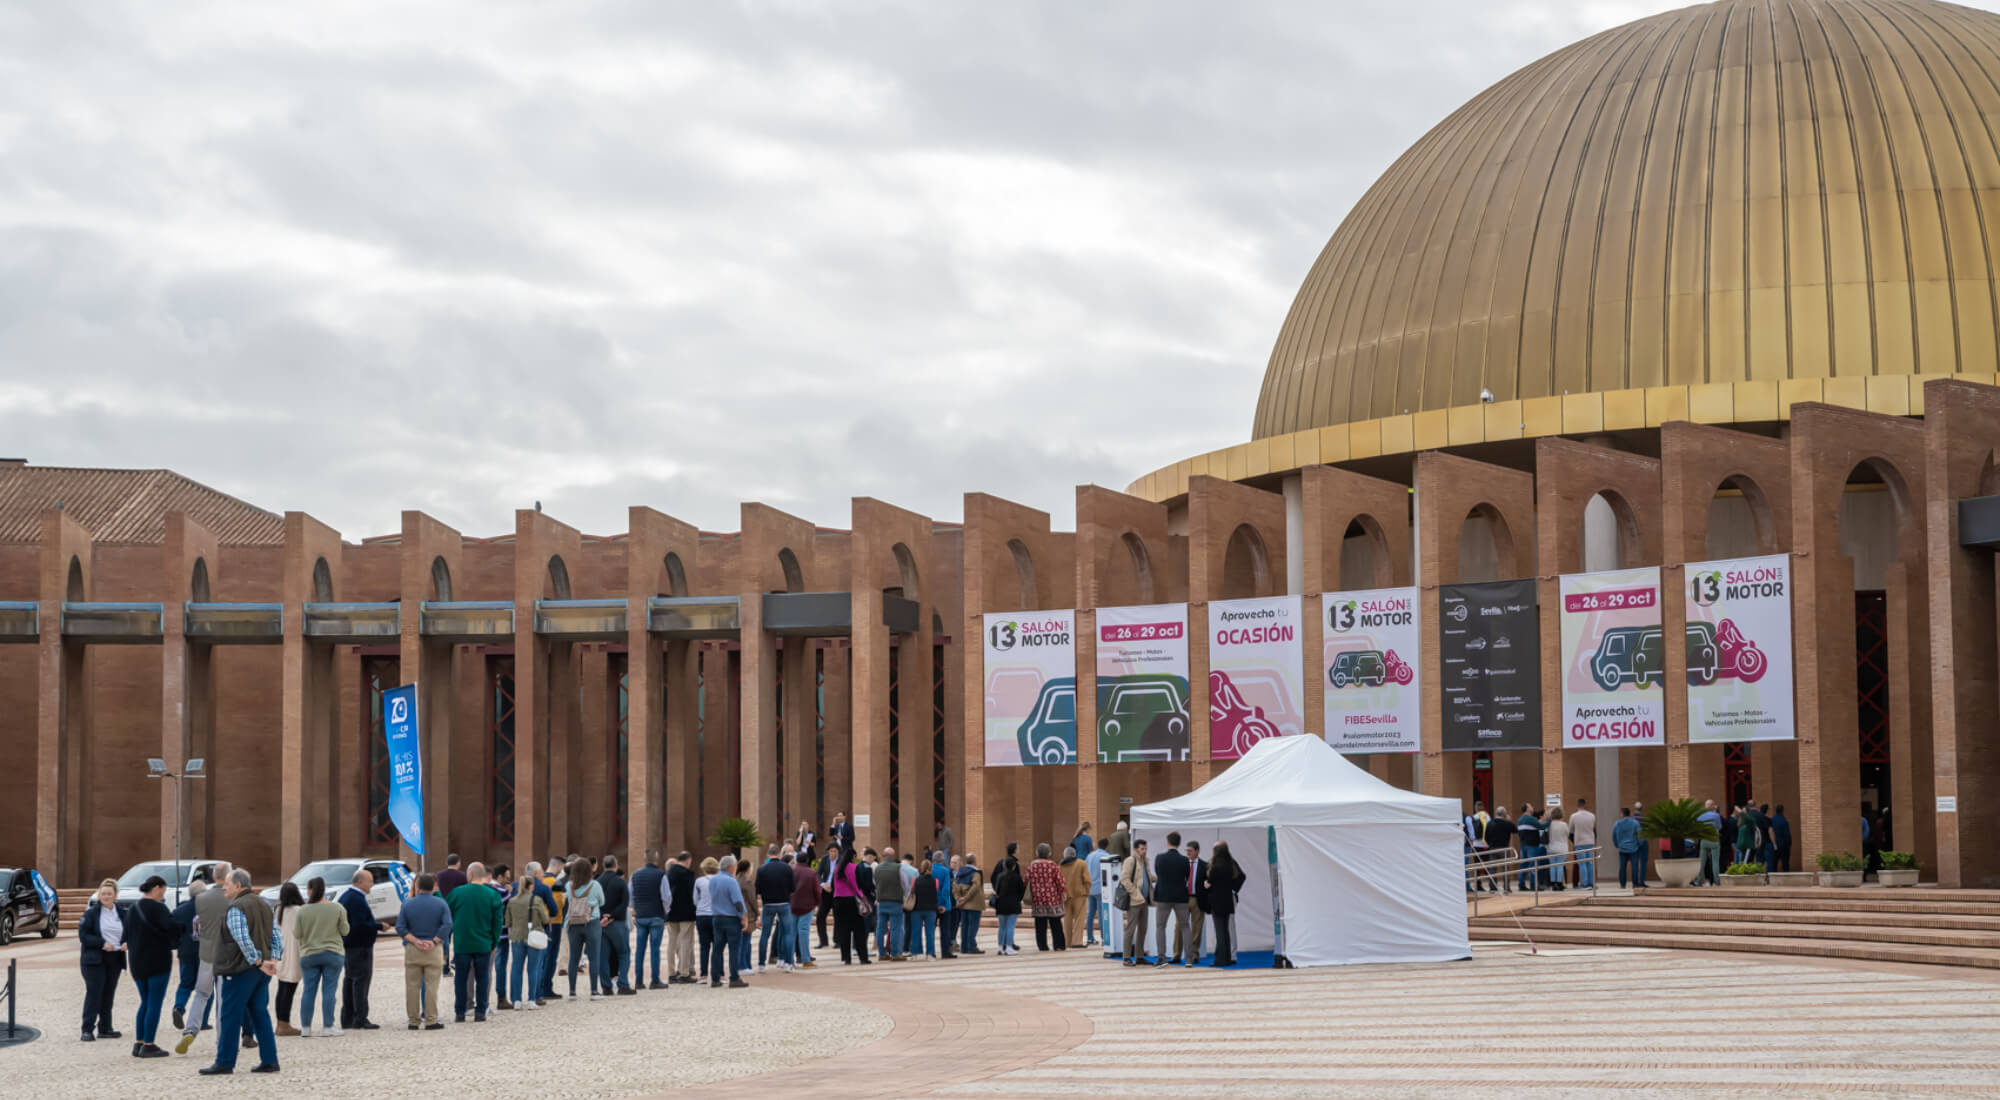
[1552, 850]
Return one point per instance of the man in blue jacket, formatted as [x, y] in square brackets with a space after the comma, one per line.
[649, 915]
[1631, 849]
[359, 945]
[1781, 841]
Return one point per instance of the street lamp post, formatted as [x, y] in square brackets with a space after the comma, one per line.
[156, 768]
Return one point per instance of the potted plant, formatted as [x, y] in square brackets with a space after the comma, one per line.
[1898, 869]
[1743, 874]
[738, 835]
[1841, 869]
[1677, 821]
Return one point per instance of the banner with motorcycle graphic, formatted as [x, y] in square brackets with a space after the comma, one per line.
[1142, 683]
[1614, 659]
[1256, 662]
[1739, 650]
[1373, 700]
[1030, 688]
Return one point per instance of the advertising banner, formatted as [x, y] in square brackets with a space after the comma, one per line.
[1030, 688]
[1739, 650]
[1256, 678]
[1489, 649]
[1614, 661]
[406, 764]
[1142, 683]
[1374, 700]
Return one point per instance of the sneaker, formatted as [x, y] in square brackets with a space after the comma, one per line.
[187, 1040]
[306, 1032]
[330, 1033]
[656, 984]
[738, 983]
[180, 1020]
[808, 965]
[596, 996]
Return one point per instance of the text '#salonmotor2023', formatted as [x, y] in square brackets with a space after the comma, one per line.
[1030, 703]
[1614, 659]
[1374, 702]
[1256, 663]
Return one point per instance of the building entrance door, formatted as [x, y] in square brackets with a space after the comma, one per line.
[1871, 683]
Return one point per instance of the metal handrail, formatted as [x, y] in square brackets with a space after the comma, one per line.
[1494, 869]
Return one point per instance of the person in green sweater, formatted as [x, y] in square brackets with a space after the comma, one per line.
[476, 919]
[320, 928]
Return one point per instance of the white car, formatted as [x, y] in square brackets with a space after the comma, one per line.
[383, 899]
[177, 878]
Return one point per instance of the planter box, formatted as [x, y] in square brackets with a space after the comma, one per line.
[1743, 880]
[1677, 873]
[1840, 878]
[1795, 878]
[1906, 877]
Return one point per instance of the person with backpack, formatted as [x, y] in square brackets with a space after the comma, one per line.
[583, 922]
[1009, 887]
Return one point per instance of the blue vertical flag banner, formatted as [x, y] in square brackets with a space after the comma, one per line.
[406, 769]
[400, 876]
[43, 891]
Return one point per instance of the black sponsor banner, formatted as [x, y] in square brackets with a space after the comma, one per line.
[1490, 655]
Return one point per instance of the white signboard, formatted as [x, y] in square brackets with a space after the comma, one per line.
[1256, 662]
[1030, 688]
[1142, 683]
[1614, 654]
[1739, 650]
[1374, 698]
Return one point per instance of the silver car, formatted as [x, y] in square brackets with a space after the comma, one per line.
[383, 899]
[177, 875]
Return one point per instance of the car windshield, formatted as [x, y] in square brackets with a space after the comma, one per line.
[6, 882]
[137, 876]
[334, 871]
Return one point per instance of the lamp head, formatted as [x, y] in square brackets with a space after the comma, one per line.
[156, 767]
[194, 769]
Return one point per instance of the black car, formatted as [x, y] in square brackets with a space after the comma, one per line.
[21, 908]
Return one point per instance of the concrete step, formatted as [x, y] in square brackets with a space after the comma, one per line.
[1643, 929]
[1860, 900]
[1754, 913]
[1986, 957]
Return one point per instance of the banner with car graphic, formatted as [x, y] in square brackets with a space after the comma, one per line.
[1739, 650]
[1374, 700]
[1256, 677]
[1142, 683]
[1614, 659]
[1030, 688]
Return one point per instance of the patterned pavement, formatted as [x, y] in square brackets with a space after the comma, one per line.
[1559, 1024]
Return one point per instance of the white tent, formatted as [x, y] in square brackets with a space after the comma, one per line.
[1367, 872]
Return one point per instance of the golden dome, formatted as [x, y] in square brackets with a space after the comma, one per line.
[1741, 191]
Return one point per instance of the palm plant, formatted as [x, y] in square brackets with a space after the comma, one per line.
[736, 834]
[1677, 821]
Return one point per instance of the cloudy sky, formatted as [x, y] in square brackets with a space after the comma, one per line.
[352, 258]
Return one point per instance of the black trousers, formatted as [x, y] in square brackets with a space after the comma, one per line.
[948, 933]
[355, 978]
[1043, 928]
[825, 908]
[1225, 947]
[286, 991]
[849, 930]
[100, 988]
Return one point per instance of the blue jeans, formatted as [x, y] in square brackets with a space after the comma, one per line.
[740, 960]
[704, 928]
[891, 930]
[773, 941]
[1586, 869]
[527, 973]
[1531, 867]
[727, 932]
[968, 929]
[1093, 919]
[547, 983]
[802, 937]
[152, 998]
[1636, 861]
[1007, 923]
[614, 951]
[651, 931]
[923, 931]
[246, 1002]
[472, 980]
[1645, 862]
[948, 931]
[321, 973]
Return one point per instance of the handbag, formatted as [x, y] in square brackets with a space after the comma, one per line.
[1121, 899]
[538, 940]
[909, 901]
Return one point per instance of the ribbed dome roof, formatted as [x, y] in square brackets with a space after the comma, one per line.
[1745, 190]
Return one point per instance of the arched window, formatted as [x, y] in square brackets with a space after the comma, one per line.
[1246, 565]
[73, 591]
[1142, 566]
[906, 567]
[198, 590]
[322, 582]
[795, 577]
[440, 580]
[557, 587]
[675, 576]
[1024, 569]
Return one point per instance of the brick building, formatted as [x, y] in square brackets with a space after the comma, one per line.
[1715, 283]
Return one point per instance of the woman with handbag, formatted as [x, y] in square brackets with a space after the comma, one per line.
[151, 937]
[1218, 888]
[528, 920]
[852, 910]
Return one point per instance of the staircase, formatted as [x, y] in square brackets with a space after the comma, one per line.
[70, 905]
[1916, 925]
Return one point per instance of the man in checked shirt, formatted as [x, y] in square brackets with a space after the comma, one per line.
[245, 960]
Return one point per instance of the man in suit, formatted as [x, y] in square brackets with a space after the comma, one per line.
[359, 946]
[1197, 868]
[843, 833]
[1137, 879]
[1171, 889]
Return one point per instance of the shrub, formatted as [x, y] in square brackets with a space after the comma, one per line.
[1841, 861]
[1676, 820]
[736, 834]
[1899, 861]
[1744, 869]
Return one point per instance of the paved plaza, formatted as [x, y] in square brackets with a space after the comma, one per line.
[1562, 1023]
